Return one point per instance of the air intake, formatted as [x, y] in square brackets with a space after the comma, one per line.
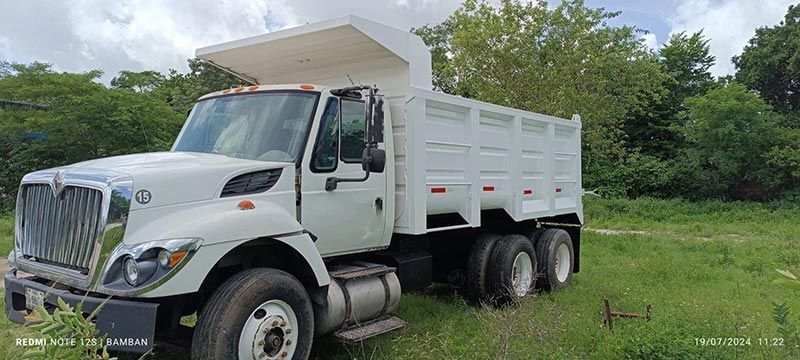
[252, 183]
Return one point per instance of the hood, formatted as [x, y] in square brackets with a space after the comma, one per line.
[176, 177]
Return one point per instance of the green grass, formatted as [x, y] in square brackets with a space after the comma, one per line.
[706, 269]
[6, 234]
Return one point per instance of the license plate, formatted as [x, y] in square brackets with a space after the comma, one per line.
[33, 298]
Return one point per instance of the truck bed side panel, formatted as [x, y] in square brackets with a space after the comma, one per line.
[461, 156]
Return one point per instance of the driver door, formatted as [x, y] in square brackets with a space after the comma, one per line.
[351, 217]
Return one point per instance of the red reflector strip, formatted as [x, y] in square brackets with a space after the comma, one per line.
[558, 189]
[527, 192]
[488, 188]
[438, 190]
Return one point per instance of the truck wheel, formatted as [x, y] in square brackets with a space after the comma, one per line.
[512, 268]
[475, 287]
[257, 314]
[554, 249]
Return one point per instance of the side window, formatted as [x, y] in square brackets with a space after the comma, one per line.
[327, 147]
[353, 117]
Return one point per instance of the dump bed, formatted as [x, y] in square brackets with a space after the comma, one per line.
[459, 156]
[454, 157]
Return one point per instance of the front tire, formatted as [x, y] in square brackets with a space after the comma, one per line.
[257, 314]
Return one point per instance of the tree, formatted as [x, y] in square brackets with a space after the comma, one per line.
[686, 61]
[770, 64]
[138, 81]
[84, 120]
[558, 61]
[731, 132]
[182, 90]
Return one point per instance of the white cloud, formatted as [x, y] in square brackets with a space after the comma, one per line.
[80, 35]
[728, 24]
[650, 41]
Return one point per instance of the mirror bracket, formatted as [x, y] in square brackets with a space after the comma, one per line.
[373, 134]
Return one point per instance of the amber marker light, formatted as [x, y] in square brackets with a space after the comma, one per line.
[226, 91]
[239, 89]
[252, 87]
[176, 257]
[246, 205]
[307, 87]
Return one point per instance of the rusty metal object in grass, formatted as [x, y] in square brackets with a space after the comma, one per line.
[608, 314]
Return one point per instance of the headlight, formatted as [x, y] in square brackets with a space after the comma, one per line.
[134, 269]
[163, 258]
[130, 270]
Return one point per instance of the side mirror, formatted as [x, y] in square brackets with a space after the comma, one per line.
[373, 160]
[373, 134]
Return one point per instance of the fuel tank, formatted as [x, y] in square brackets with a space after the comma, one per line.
[358, 292]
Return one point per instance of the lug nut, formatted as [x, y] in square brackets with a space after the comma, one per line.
[288, 331]
[263, 354]
[283, 354]
[283, 323]
[289, 342]
[261, 343]
[275, 323]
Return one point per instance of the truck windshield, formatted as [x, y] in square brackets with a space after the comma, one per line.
[268, 126]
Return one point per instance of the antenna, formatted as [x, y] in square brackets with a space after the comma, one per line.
[351, 80]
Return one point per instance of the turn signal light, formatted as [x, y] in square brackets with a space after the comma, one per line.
[176, 257]
[246, 205]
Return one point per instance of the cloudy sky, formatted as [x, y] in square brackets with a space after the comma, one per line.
[79, 35]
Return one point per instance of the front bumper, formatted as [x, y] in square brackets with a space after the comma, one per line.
[129, 325]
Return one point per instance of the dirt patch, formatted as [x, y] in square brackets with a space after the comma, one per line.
[617, 232]
[737, 238]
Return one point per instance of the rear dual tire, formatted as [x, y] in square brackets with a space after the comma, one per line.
[512, 270]
[500, 269]
[476, 285]
[555, 257]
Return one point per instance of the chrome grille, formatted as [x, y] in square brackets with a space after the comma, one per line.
[61, 230]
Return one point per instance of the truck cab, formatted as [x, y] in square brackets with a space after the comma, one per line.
[323, 135]
[301, 204]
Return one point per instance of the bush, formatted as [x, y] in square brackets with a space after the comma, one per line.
[67, 324]
[781, 311]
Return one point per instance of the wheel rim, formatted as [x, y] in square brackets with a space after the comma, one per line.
[563, 262]
[270, 332]
[522, 274]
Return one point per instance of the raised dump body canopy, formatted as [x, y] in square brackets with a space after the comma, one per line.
[326, 53]
[453, 156]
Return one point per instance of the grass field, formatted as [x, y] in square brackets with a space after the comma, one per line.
[706, 269]
[6, 232]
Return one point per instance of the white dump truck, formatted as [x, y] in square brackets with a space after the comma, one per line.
[302, 204]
